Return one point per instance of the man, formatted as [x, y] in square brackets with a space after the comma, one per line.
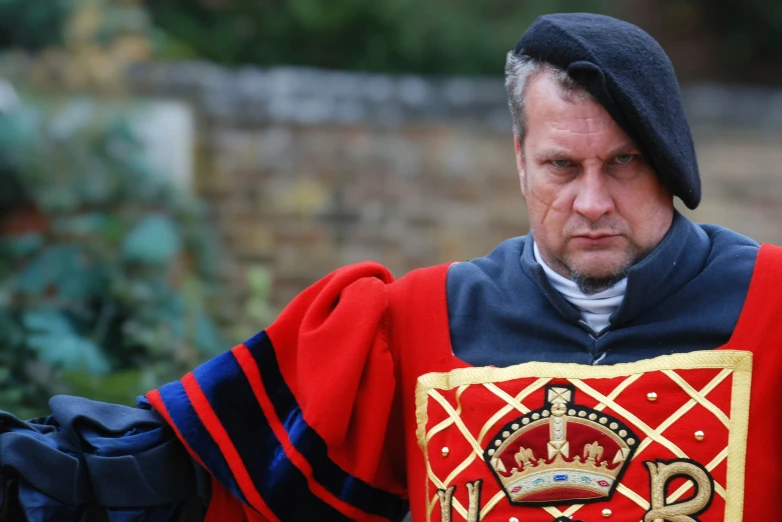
[600, 367]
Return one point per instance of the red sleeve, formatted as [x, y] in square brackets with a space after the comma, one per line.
[301, 422]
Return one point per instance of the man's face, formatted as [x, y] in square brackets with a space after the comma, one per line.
[595, 206]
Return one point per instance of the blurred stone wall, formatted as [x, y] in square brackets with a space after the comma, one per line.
[309, 170]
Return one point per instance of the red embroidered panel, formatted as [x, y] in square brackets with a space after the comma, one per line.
[553, 440]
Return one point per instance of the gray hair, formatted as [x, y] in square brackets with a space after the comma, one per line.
[519, 70]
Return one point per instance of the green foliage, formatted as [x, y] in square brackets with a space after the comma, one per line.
[32, 24]
[107, 274]
[430, 37]
[423, 36]
[39, 24]
[257, 310]
[748, 36]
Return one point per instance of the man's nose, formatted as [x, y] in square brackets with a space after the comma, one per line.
[593, 199]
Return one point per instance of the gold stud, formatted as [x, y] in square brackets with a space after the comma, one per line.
[699, 435]
[652, 396]
[445, 451]
[607, 513]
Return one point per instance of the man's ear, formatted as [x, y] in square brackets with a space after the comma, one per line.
[520, 164]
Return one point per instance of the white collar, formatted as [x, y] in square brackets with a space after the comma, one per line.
[596, 308]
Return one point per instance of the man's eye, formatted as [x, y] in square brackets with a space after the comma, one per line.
[561, 164]
[624, 159]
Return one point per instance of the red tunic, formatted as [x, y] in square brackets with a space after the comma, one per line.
[692, 408]
[353, 400]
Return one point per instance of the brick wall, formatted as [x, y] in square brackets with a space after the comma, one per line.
[305, 200]
[309, 170]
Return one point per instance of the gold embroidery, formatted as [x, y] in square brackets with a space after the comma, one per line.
[446, 498]
[513, 403]
[594, 451]
[632, 495]
[736, 359]
[474, 502]
[737, 442]
[698, 397]
[474, 491]
[523, 457]
[659, 475]
[562, 472]
[736, 365]
[724, 374]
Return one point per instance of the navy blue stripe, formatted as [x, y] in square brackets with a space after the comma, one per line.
[194, 432]
[278, 481]
[305, 439]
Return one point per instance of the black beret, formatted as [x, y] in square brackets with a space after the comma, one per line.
[628, 72]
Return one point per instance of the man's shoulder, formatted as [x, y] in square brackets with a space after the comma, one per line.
[493, 265]
[725, 238]
[493, 279]
[729, 249]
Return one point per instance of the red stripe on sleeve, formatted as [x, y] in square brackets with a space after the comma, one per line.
[156, 401]
[250, 369]
[220, 436]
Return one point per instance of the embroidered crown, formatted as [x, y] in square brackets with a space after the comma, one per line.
[560, 453]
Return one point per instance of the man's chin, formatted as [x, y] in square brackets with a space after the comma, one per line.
[599, 266]
[593, 285]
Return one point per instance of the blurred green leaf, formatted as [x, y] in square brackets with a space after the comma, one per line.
[154, 240]
[118, 387]
[5, 374]
[62, 269]
[208, 339]
[23, 245]
[33, 24]
[10, 398]
[69, 351]
[42, 271]
[259, 281]
[81, 224]
[12, 335]
[56, 342]
[47, 321]
[18, 136]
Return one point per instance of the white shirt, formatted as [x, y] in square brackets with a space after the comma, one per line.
[595, 309]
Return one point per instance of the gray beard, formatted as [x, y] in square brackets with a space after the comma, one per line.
[593, 285]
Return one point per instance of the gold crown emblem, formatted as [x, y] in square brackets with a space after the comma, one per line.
[560, 453]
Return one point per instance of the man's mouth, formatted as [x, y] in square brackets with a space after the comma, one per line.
[595, 239]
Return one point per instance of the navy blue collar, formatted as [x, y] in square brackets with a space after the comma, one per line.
[532, 269]
[679, 257]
